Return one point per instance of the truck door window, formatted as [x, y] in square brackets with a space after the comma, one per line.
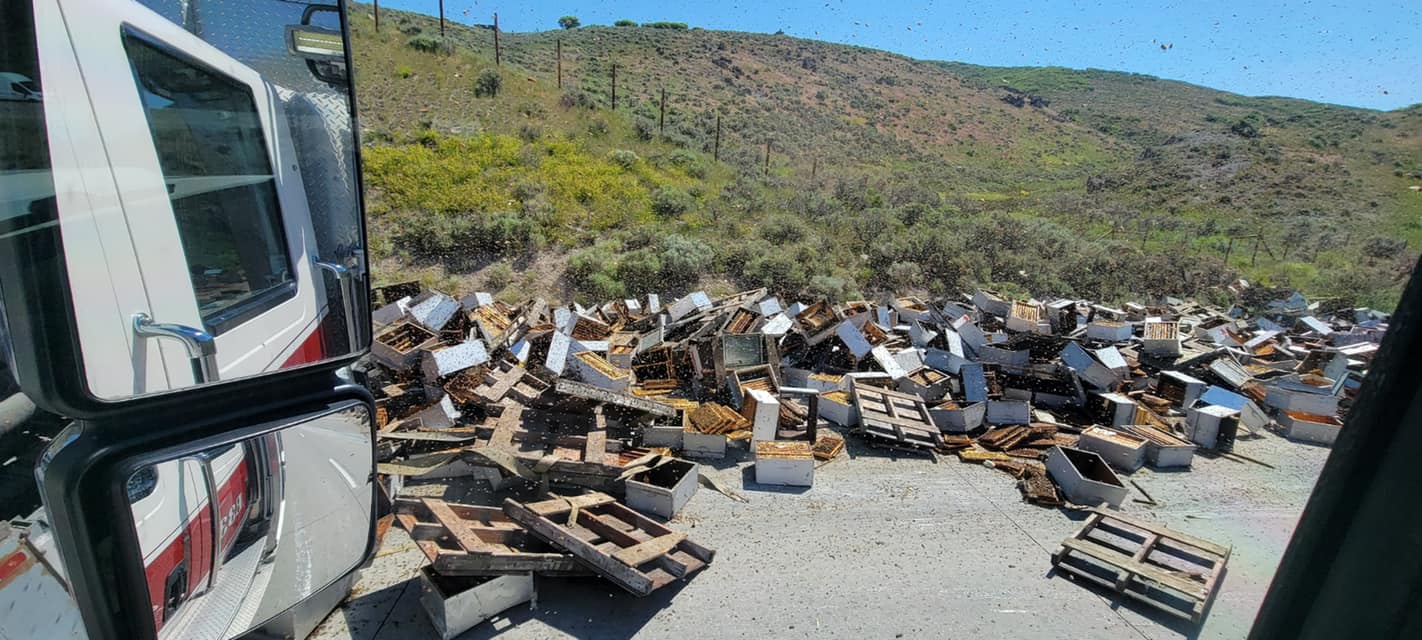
[213, 155]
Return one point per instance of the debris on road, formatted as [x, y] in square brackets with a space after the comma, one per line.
[1166, 569]
[581, 417]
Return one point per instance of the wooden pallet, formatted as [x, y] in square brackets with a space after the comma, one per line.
[466, 540]
[896, 416]
[626, 547]
[1171, 571]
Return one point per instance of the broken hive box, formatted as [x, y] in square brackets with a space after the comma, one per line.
[619, 544]
[1212, 426]
[1084, 477]
[828, 446]
[784, 462]
[399, 347]
[663, 490]
[597, 371]
[1125, 451]
[1008, 412]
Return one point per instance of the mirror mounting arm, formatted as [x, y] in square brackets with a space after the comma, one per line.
[202, 349]
[346, 276]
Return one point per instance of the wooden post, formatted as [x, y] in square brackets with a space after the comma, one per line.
[1255, 253]
[614, 87]
[767, 157]
[716, 148]
[497, 61]
[560, 63]
[814, 168]
[662, 119]
[441, 18]
[1229, 249]
[377, 16]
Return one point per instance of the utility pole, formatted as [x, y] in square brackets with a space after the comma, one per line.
[662, 119]
[716, 149]
[441, 18]
[559, 42]
[614, 86]
[377, 16]
[497, 61]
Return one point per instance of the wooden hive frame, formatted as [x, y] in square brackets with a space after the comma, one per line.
[466, 540]
[626, 547]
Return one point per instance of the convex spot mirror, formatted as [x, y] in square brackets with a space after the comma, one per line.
[219, 234]
[230, 536]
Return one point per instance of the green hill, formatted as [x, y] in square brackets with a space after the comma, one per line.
[884, 172]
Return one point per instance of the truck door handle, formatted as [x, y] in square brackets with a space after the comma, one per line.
[201, 346]
[346, 276]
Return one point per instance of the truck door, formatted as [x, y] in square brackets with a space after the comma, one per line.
[212, 216]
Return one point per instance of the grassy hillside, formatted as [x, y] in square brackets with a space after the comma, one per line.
[885, 172]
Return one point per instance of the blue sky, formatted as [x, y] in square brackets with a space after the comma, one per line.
[1366, 54]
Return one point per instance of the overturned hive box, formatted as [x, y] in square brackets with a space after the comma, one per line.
[1084, 477]
[399, 347]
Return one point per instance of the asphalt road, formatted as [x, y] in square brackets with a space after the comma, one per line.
[888, 546]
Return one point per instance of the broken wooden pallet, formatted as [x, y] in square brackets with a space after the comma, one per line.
[466, 540]
[626, 547]
[1172, 571]
[896, 416]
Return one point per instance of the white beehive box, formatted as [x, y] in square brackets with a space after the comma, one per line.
[1203, 423]
[454, 612]
[1310, 427]
[597, 371]
[838, 407]
[1009, 412]
[1084, 477]
[1109, 331]
[952, 417]
[763, 411]
[669, 436]
[1125, 451]
[702, 445]
[664, 490]
[790, 463]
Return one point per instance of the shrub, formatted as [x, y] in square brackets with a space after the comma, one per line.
[498, 276]
[488, 84]
[427, 44]
[530, 132]
[640, 270]
[623, 158]
[670, 202]
[644, 128]
[625, 23]
[576, 98]
[404, 71]
[598, 128]
[782, 230]
[666, 25]
[684, 259]
[569, 22]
